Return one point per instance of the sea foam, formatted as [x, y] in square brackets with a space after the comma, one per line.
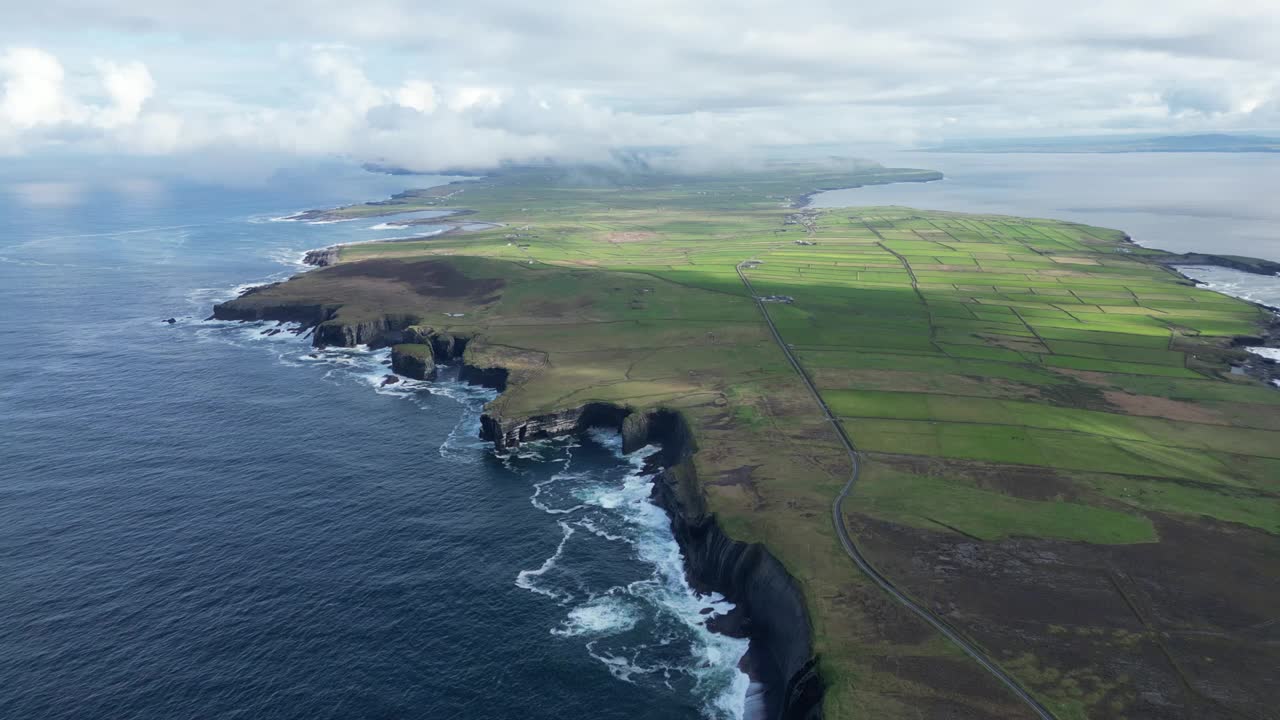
[650, 629]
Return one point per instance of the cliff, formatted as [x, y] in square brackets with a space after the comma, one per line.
[248, 308]
[374, 332]
[507, 434]
[770, 607]
[322, 257]
[329, 326]
[423, 347]
[413, 360]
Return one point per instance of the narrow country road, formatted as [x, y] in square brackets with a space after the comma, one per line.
[851, 548]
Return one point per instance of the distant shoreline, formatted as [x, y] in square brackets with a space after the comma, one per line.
[1201, 143]
[804, 200]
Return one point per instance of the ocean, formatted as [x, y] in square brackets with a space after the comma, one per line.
[204, 519]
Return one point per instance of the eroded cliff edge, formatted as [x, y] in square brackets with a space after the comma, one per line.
[770, 608]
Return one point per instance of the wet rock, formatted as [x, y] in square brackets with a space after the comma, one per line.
[734, 623]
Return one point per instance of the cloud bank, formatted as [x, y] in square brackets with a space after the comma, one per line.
[478, 83]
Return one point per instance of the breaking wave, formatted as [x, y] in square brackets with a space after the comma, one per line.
[619, 575]
[289, 343]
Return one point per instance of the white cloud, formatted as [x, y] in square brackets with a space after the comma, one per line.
[430, 84]
[32, 89]
[466, 98]
[129, 85]
[418, 95]
[38, 108]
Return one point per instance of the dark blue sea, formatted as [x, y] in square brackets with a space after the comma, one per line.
[203, 520]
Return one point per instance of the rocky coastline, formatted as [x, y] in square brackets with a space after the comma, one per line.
[1254, 365]
[770, 608]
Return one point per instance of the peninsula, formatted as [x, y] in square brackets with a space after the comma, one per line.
[1053, 494]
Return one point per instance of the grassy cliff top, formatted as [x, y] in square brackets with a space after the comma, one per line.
[1059, 460]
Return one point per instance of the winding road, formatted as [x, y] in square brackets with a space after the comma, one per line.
[851, 548]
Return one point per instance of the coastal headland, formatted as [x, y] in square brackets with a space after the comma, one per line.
[1057, 457]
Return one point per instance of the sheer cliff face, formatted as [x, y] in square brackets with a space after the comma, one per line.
[334, 328]
[331, 328]
[375, 332]
[771, 607]
[413, 360]
[506, 434]
[768, 597]
[254, 304]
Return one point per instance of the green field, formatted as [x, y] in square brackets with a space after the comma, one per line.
[1028, 394]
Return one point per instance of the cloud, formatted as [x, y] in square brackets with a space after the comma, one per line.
[431, 85]
[37, 107]
[129, 85]
[417, 95]
[32, 89]
[1197, 100]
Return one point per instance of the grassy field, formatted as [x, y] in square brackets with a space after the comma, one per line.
[1059, 460]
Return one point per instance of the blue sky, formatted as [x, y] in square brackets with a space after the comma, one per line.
[434, 85]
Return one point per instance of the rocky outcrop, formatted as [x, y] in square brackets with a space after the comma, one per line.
[495, 378]
[422, 347]
[330, 328]
[447, 345]
[322, 257]
[770, 607]
[247, 307]
[507, 434]
[374, 332]
[414, 360]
